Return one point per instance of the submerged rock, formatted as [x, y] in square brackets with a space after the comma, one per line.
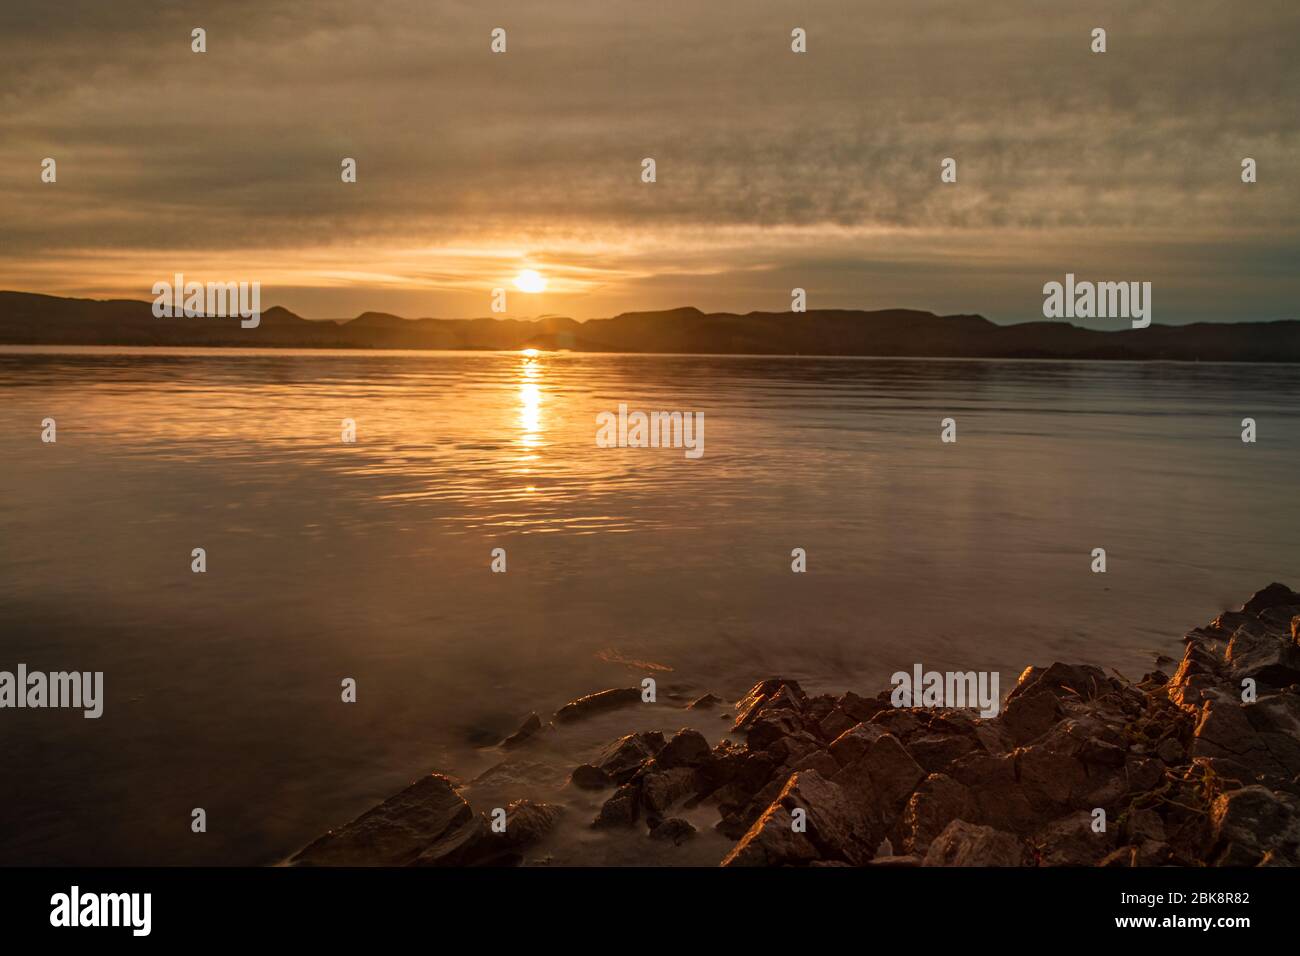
[597, 703]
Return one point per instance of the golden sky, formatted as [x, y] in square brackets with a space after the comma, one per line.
[775, 169]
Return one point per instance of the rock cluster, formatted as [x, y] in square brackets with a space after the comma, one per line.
[1185, 771]
[1079, 768]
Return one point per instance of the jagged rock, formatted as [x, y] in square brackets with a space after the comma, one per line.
[836, 829]
[773, 693]
[531, 726]
[620, 810]
[1249, 822]
[835, 723]
[1029, 716]
[673, 830]
[624, 757]
[934, 752]
[772, 842]
[663, 788]
[1000, 800]
[937, 802]
[1272, 596]
[398, 830]
[597, 703]
[1266, 656]
[965, 844]
[687, 748]
[862, 709]
[876, 765]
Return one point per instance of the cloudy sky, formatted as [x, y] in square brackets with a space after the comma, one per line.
[775, 169]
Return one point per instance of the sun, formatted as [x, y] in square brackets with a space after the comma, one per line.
[530, 281]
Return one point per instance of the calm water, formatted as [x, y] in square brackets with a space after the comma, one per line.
[371, 560]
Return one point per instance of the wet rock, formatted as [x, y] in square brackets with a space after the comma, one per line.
[660, 790]
[587, 777]
[623, 758]
[398, 830]
[597, 703]
[465, 845]
[773, 693]
[687, 748]
[530, 727]
[620, 810]
[965, 844]
[527, 822]
[674, 830]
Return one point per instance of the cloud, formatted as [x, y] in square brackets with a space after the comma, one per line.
[768, 162]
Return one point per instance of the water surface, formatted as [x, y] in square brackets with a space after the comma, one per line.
[371, 560]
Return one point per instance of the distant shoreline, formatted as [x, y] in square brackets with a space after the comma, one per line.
[39, 320]
[362, 351]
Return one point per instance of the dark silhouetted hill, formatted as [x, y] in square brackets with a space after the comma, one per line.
[29, 319]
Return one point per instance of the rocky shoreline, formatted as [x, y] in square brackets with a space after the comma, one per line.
[1080, 768]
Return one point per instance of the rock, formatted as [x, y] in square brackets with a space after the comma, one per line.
[1267, 657]
[1071, 841]
[620, 810]
[868, 749]
[934, 752]
[525, 732]
[597, 703]
[862, 709]
[937, 802]
[965, 844]
[674, 830]
[895, 862]
[707, 702]
[765, 693]
[1170, 751]
[835, 723]
[624, 757]
[687, 748]
[587, 777]
[835, 828]
[397, 831]
[660, 790]
[527, 822]
[466, 845]
[1249, 822]
[1272, 596]
[1029, 716]
[772, 842]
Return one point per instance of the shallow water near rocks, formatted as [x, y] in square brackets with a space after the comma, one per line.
[371, 560]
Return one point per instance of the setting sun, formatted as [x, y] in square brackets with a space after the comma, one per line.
[530, 281]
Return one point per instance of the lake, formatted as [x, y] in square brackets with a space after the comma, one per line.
[371, 560]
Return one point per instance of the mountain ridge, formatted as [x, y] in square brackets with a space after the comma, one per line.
[37, 319]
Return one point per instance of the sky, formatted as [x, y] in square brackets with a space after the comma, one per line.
[774, 169]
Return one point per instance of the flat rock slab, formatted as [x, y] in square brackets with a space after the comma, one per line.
[397, 831]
